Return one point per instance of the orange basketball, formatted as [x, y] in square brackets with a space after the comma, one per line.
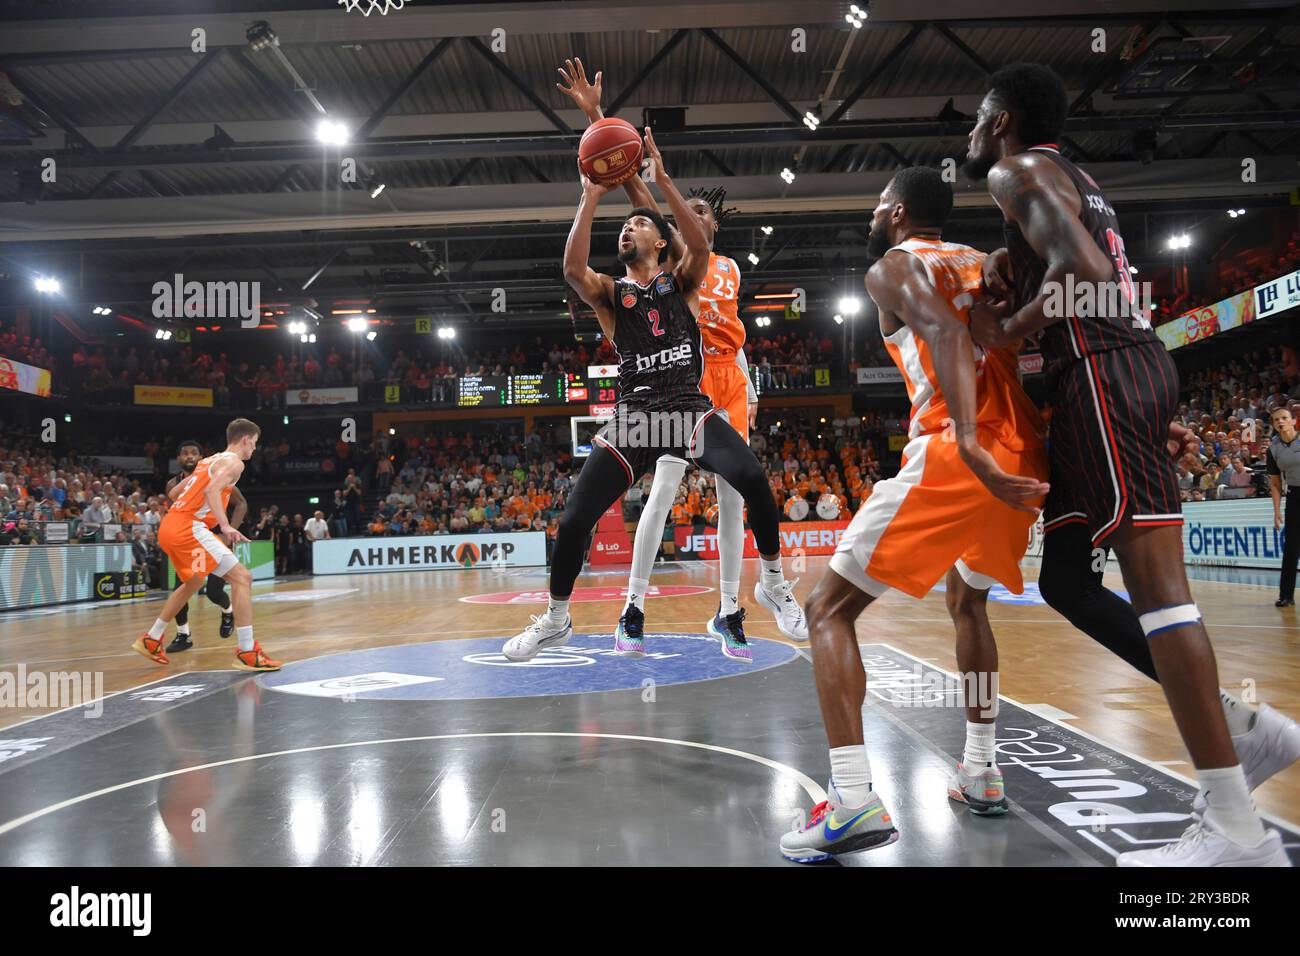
[610, 152]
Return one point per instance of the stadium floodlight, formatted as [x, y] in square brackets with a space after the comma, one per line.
[811, 121]
[446, 332]
[753, 258]
[839, 319]
[1180, 241]
[850, 304]
[767, 230]
[48, 285]
[371, 336]
[357, 325]
[788, 175]
[331, 132]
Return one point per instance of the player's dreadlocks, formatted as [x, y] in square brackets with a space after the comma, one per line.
[715, 197]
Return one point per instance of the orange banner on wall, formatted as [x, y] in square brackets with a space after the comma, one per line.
[797, 537]
[173, 395]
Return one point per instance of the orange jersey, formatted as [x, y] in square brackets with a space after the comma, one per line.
[720, 326]
[192, 501]
[1001, 404]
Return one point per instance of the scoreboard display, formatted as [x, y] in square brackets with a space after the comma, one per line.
[498, 391]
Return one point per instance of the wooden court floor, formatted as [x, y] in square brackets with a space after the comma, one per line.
[1045, 664]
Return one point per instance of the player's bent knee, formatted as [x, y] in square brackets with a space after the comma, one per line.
[239, 576]
[965, 602]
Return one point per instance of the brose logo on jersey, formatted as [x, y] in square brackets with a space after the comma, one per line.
[679, 353]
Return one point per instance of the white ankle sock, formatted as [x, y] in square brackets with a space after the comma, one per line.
[1240, 716]
[245, 637]
[851, 774]
[1230, 808]
[980, 747]
[636, 588]
[730, 591]
[158, 630]
[183, 629]
[771, 575]
[557, 611]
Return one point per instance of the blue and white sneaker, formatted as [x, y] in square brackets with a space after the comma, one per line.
[781, 601]
[834, 828]
[537, 637]
[730, 632]
[629, 636]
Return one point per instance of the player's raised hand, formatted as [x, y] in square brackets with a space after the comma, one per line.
[1016, 491]
[652, 152]
[590, 187]
[585, 94]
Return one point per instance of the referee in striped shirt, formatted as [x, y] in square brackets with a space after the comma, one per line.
[1283, 463]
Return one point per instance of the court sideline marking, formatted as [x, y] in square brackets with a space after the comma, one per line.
[809, 785]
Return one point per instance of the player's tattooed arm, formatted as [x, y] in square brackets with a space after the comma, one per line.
[694, 263]
[899, 285]
[1035, 196]
[595, 289]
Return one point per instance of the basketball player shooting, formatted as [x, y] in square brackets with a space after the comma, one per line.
[728, 385]
[650, 317]
[962, 505]
[187, 456]
[1114, 392]
[186, 537]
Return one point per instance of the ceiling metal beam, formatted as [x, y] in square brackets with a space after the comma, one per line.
[400, 90]
[772, 92]
[901, 47]
[651, 65]
[513, 78]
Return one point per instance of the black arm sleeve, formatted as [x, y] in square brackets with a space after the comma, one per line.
[1269, 464]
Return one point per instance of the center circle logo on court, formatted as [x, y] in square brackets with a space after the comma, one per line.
[475, 669]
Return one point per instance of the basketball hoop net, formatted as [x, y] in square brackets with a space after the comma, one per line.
[368, 7]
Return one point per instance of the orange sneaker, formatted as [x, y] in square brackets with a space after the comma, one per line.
[151, 647]
[256, 660]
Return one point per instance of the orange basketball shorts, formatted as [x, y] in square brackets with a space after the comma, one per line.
[193, 548]
[725, 385]
[934, 515]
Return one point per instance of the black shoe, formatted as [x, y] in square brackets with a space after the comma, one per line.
[181, 642]
[227, 623]
[1284, 602]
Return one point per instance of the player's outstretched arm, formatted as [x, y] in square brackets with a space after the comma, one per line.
[899, 285]
[694, 262]
[1025, 187]
[586, 96]
[594, 289]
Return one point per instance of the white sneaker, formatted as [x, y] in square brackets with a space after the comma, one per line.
[1203, 845]
[781, 601]
[1270, 746]
[537, 637]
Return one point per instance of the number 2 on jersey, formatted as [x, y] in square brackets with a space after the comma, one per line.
[653, 316]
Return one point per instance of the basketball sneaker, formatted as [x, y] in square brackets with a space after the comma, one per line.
[730, 632]
[181, 642]
[255, 660]
[834, 828]
[984, 792]
[227, 623]
[151, 647]
[1202, 845]
[537, 637]
[780, 600]
[1272, 744]
[629, 637]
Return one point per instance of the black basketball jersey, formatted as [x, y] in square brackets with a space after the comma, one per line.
[1078, 336]
[660, 352]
